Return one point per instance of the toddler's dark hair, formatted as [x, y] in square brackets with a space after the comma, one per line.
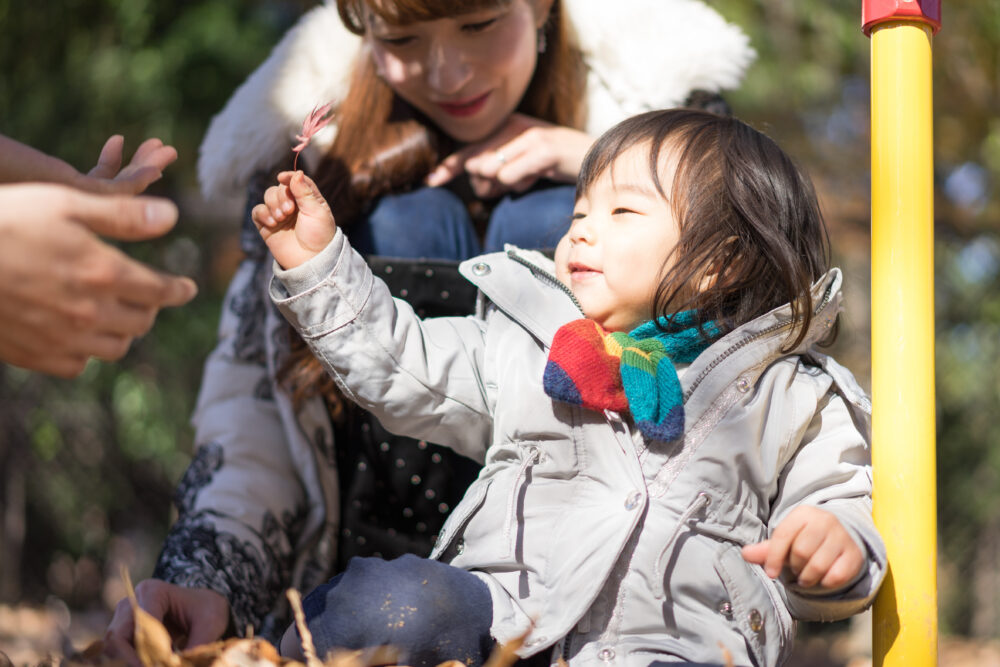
[747, 215]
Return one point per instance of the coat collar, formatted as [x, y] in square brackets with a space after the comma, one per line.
[522, 283]
[681, 45]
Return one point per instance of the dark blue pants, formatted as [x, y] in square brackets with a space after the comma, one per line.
[433, 223]
[431, 611]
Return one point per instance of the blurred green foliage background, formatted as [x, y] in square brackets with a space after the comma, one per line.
[87, 467]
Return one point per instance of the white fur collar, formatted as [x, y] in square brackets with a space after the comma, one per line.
[641, 54]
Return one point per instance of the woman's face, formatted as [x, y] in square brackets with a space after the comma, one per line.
[466, 73]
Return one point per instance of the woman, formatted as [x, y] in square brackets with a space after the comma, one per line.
[452, 133]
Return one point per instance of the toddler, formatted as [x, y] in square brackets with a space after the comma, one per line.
[673, 472]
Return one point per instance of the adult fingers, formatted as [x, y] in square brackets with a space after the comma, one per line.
[209, 618]
[154, 153]
[449, 168]
[50, 360]
[122, 217]
[110, 159]
[119, 635]
[132, 282]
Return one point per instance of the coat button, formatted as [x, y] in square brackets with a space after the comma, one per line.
[606, 654]
[726, 609]
[460, 546]
[743, 384]
[633, 500]
[756, 620]
[481, 268]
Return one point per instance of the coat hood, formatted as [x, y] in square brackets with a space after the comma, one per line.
[640, 55]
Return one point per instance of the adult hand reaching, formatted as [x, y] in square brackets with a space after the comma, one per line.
[146, 166]
[65, 295]
[20, 163]
[524, 150]
[195, 615]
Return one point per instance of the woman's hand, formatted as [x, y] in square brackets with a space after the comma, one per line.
[814, 545]
[295, 221]
[524, 150]
[147, 165]
[199, 614]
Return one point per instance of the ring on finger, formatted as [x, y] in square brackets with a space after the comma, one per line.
[501, 158]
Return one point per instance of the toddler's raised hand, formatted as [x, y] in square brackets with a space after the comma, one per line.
[814, 545]
[295, 221]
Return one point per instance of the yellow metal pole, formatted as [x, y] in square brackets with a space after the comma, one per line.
[903, 450]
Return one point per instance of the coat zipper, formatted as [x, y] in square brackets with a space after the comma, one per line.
[542, 273]
[749, 339]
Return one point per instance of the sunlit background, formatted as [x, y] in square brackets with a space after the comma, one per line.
[87, 467]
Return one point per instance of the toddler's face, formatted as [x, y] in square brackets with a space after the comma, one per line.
[613, 256]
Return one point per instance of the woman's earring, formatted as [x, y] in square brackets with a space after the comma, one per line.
[541, 40]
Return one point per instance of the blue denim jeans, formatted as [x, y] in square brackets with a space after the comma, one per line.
[433, 223]
[431, 611]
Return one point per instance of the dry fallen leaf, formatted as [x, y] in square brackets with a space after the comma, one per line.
[152, 641]
[505, 655]
[727, 657]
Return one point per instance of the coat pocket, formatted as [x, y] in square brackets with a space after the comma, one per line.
[473, 500]
[758, 611]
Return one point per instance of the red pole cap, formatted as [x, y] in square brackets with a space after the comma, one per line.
[874, 12]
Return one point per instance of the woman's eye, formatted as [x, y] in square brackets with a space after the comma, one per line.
[479, 26]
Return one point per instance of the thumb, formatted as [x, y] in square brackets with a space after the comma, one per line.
[308, 198]
[122, 216]
[756, 553]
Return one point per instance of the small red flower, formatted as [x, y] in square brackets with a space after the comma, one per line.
[317, 119]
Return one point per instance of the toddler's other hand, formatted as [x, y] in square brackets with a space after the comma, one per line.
[295, 221]
[814, 545]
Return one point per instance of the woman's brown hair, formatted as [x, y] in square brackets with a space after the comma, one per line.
[748, 217]
[383, 145]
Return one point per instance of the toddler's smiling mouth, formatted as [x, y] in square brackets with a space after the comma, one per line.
[578, 271]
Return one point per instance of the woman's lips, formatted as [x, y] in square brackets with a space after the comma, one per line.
[465, 107]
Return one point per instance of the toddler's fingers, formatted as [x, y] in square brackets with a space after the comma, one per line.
[285, 200]
[756, 553]
[807, 542]
[272, 199]
[781, 543]
[285, 177]
[818, 564]
[844, 569]
[261, 216]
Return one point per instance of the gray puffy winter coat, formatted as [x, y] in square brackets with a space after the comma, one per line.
[618, 549]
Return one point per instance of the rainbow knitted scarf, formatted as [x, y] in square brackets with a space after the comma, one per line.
[628, 372]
